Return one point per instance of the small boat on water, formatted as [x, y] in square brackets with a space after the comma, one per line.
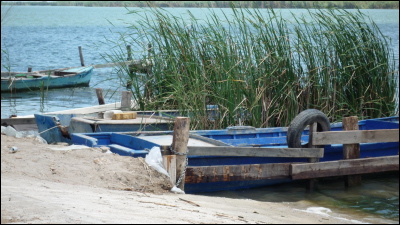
[59, 78]
[138, 144]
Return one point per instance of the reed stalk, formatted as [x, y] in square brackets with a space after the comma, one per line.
[258, 68]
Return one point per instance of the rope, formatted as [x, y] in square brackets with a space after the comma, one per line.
[48, 129]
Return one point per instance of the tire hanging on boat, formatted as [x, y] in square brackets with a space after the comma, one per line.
[299, 123]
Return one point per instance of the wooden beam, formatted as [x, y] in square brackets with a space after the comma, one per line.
[19, 120]
[180, 140]
[351, 151]
[208, 174]
[312, 183]
[169, 163]
[256, 152]
[137, 63]
[356, 136]
[344, 167]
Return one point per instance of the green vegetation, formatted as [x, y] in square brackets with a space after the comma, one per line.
[259, 69]
[222, 4]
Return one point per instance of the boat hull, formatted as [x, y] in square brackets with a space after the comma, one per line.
[80, 76]
[130, 144]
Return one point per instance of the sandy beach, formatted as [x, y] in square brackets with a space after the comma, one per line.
[42, 185]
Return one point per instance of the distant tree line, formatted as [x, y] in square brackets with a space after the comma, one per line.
[219, 4]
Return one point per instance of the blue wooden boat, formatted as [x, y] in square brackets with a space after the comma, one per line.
[83, 122]
[59, 78]
[137, 144]
[56, 128]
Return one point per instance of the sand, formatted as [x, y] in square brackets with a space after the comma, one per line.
[41, 185]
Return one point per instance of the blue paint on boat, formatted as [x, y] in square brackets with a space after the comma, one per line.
[60, 78]
[137, 144]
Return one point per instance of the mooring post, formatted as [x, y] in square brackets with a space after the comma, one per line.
[126, 100]
[128, 49]
[81, 56]
[99, 93]
[29, 69]
[312, 183]
[351, 151]
[179, 147]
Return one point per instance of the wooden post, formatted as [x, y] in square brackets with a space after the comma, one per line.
[351, 151]
[179, 145]
[126, 100]
[29, 69]
[128, 49]
[312, 183]
[169, 163]
[149, 65]
[81, 56]
[100, 97]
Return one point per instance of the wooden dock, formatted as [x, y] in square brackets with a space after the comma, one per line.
[351, 166]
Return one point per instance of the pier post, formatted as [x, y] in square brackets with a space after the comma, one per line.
[126, 100]
[179, 146]
[81, 56]
[351, 151]
[312, 183]
[128, 49]
[99, 93]
[29, 69]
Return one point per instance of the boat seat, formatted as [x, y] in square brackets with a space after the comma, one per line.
[124, 151]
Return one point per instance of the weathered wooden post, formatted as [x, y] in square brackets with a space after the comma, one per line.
[351, 151]
[128, 49]
[81, 56]
[179, 147]
[99, 93]
[126, 100]
[312, 183]
[29, 69]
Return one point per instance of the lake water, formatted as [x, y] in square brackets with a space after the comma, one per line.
[44, 37]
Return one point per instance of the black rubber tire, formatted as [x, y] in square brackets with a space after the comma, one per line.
[300, 122]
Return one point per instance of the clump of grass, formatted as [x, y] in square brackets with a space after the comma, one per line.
[260, 69]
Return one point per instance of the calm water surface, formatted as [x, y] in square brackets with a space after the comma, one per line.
[48, 38]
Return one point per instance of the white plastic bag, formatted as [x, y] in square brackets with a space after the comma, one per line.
[154, 159]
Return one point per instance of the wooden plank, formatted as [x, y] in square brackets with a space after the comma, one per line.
[18, 121]
[256, 152]
[344, 167]
[169, 163]
[356, 136]
[137, 63]
[209, 174]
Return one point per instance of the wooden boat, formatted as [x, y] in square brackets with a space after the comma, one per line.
[276, 169]
[92, 121]
[59, 78]
[57, 127]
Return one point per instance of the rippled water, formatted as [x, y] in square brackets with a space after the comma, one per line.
[375, 201]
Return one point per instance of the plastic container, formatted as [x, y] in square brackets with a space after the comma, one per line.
[109, 114]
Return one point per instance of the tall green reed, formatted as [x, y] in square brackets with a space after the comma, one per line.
[259, 68]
